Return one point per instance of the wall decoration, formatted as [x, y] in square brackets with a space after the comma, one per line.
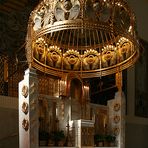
[116, 119]
[116, 131]
[25, 107]
[25, 124]
[76, 36]
[116, 107]
[25, 91]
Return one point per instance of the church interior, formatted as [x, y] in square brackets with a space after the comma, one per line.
[73, 73]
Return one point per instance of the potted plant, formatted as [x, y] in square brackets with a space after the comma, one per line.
[43, 138]
[110, 139]
[98, 139]
[57, 136]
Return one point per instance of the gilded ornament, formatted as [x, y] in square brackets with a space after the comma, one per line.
[25, 124]
[67, 10]
[125, 48]
[90, 60]
[72, 60]
[58, 30]
[25, 107]
[53, 57]
[116, 131]
[116, 119]
[116, 107]
[25, 91]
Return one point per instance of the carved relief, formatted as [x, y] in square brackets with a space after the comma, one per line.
[71, 60]
[47, 55]
[37, 21]
[116, 107]
[38, 17]
[81, 25]
[67, 10]
[25, 107]
[116, 119]
[25, 91]
[124, 49]
[116, 131]
[104, 11]
[25, 124]
[98, 10]
[54, 57]
[108, 56]
[90, 60]
[39, 50]
[47, 13]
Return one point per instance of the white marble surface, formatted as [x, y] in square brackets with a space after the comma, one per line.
[29, 138]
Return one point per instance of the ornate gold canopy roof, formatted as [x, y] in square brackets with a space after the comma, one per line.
[89, 37]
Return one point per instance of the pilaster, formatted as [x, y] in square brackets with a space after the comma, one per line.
[28, 110]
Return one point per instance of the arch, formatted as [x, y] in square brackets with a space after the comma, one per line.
[76, 89]
[72, 79]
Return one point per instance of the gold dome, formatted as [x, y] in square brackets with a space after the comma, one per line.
[89, 37]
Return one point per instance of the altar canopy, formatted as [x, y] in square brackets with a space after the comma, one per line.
[91, 38]
[70, 42]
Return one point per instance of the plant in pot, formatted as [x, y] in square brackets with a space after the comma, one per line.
[110, 139]
[98, 139]
[57, 136]
[43, 138]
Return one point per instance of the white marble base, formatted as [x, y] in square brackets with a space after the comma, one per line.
[28, 110]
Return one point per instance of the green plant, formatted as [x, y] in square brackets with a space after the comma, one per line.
[98, 138]
[43, 135]
[110, 138]
[57, 136]
[43, 138]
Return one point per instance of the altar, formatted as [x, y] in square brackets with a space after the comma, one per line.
[70, 121]
[68, 44]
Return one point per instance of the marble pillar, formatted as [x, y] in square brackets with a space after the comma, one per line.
[28, 110]
[84, 133]
[117, 118]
